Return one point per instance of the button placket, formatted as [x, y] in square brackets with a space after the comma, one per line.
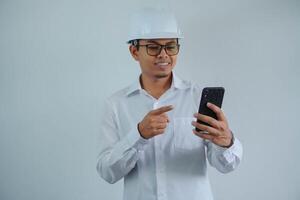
[155, 105]
[160, 169]
[160, 165]
[160, 175]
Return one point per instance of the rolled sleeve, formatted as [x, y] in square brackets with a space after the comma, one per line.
[225, 159]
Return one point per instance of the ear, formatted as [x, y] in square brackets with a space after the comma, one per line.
[134, 52]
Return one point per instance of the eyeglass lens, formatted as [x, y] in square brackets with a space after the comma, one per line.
[155, 49]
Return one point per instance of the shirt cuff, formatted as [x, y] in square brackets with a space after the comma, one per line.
[134, 140]
[227, 155]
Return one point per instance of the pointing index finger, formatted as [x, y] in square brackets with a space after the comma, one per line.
[162, 110]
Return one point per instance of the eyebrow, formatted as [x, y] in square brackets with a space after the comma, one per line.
[152, 41]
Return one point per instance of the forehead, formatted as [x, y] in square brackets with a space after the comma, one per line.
[159, 41]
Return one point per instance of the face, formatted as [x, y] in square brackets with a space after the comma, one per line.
[159, 66]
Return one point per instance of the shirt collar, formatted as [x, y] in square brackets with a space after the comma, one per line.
[177, 83]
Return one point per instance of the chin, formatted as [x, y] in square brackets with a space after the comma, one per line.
[162, 75]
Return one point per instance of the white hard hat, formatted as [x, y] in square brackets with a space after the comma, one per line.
[150, 23]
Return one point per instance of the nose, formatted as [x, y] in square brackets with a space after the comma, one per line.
[163, 53]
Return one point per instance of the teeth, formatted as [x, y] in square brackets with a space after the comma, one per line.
[163, 64]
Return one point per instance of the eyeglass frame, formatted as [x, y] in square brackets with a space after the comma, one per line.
[161, 48]
[136, 44]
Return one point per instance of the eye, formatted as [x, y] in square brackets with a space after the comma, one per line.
[153, 47]
[171, 47]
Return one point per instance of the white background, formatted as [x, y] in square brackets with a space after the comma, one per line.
[60, 59]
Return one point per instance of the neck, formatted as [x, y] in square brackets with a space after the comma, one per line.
[156, 86]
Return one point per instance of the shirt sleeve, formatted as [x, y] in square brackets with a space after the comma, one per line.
[224, 159]
[117, 155]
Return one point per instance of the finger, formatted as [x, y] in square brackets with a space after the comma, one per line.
[162, 120]
[217, 110]
[159, 131]
[165, 117]
[203, 135]
[160, 126]
[162, 110]
[208, 129]
[207, 119]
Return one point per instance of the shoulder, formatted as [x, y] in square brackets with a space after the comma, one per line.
[192, 86]
[196, 90]
[118, 95]
[111, 103]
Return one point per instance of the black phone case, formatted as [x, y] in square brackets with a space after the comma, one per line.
[213, 95]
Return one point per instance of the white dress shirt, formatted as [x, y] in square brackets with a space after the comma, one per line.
[170, 166]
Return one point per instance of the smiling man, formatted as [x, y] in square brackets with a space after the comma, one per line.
[157, 59]
[148, 132]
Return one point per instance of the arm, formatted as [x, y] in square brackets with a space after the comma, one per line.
[117, 156]
[222, 158]
[224, 152]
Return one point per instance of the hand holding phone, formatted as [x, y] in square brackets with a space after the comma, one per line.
[212, 95]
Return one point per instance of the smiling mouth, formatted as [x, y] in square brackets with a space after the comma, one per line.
[162, 64]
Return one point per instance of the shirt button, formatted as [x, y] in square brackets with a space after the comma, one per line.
[155, 105]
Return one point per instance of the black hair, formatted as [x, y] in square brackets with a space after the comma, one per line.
[136, 42]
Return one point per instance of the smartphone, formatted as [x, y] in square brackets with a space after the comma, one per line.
[213, 95]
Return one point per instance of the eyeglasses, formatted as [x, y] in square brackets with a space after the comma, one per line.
[155, 49]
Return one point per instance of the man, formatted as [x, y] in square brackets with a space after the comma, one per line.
[148, 132]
